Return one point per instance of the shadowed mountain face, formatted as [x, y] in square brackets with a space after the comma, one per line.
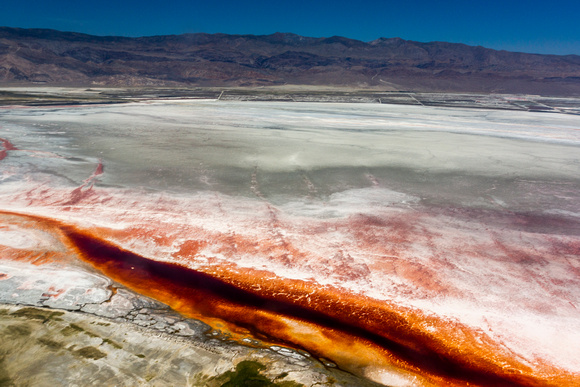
[53, 57]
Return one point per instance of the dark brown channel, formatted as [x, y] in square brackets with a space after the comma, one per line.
[192, 290]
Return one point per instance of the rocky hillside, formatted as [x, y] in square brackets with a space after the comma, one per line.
[66, 58]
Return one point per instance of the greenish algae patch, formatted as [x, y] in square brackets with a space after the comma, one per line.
[112, 343]
[15, 331]
[5, 379]
[73, 329]
[50, 343]
[90, 353]
[38, 314]
[247, 374]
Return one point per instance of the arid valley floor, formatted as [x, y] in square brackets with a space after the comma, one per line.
[297, 236]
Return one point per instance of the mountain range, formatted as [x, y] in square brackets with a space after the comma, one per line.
[50, 57]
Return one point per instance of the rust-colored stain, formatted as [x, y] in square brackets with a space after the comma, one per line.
[357, 332]
[8, 146]
[85, 189]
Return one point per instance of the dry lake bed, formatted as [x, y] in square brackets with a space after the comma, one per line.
[290, 237]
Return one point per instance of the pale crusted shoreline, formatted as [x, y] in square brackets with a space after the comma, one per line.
[27, 95]
[131, 340]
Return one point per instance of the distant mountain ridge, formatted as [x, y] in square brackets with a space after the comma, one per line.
[42, 56]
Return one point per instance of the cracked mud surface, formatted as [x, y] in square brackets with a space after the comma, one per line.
[68, 325]
[130, 340]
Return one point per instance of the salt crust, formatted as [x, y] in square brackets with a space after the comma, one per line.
[515, 312]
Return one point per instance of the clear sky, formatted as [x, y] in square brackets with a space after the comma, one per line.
[551, 27]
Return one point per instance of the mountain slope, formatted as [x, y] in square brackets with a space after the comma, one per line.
[54, 57]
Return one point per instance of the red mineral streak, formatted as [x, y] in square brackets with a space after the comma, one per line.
[56, 253]
[52, 292]
[8, 146]
[356, 331]
[85, 189]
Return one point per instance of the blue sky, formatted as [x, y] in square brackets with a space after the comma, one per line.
[527, 26]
